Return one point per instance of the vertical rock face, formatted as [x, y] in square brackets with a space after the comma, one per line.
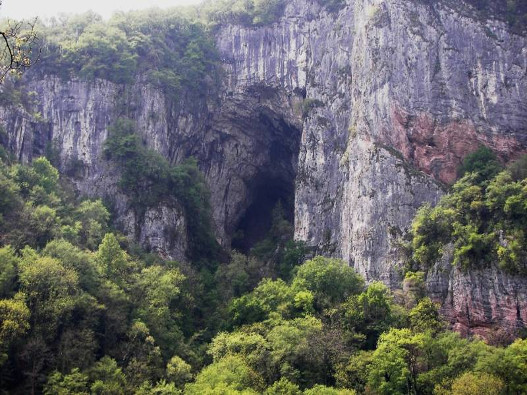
[353, 119]
[390, 88]
[487, 302]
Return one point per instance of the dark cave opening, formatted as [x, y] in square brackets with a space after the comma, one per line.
[256, 222]
[272, 183]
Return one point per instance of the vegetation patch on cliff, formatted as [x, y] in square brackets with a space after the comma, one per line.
[484, 217]
[171, 51]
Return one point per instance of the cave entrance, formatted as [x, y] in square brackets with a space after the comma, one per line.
[257, 220]
[272, 183]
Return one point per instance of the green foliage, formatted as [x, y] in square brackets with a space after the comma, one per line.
[270, 296]
[477, 384]
[14, 322]
[50, 290]
[279, 336]
[244, 12]
[483, 219]
[74, 258]
[178, 371]
[229, 375]
[278, 251]
[323, 390]
[173, 53]
[370, 312]
[394, 362]
[81, 313]
[518, 168]
[158, 290]
[72, 383]
[283, 387]
[425, 317]
[330, 280]
[8, 271]
[74, 304]
[354, 374]
[508, 364]
[483, 162]
[33, 209]
[113, 262]
[106, 377]
[93, 218]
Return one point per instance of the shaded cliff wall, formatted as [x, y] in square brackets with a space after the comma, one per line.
[367, 110]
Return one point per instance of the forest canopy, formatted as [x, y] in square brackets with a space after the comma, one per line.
[84, 310]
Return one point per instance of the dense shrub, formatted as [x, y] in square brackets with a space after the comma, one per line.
[484, 218]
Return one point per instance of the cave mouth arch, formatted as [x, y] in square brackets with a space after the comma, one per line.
[272, 182]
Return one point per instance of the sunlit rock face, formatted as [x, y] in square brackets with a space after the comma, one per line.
[352, 119]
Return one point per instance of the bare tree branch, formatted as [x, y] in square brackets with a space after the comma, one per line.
[17, 47]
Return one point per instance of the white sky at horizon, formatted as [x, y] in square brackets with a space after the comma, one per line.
[44, 9]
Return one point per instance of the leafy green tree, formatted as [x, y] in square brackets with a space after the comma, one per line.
[141, 355]
[161, 388]
[116, 315]
[107, 378]
[330, 281]
[34, 359]
[51, 290]
[43, 224]
[94, 218]
[81, 261]
[269, 296]
[235, 278]
[370, 312]
[14, 323]
[484, 223]
[425, 317]
[431, 230]
[75, 382]
[229, 375]
[76, 347]
[291, 351]
[113, 261]
[477, 384]
[178, 371]
[508, 364]
[354, 374]
[483, 162]
[8, 271]
[323, 390]
[158, 293]
[444, 356]
[10, 201]
[518, 168]
[283, 387]
[395, 362]
[414, 287]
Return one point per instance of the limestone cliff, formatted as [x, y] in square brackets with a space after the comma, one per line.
[352, 118]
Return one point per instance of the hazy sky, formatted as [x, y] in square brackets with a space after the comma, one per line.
[24, 9]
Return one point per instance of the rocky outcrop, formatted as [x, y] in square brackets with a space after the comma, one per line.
[487, 302]
[353, 118]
